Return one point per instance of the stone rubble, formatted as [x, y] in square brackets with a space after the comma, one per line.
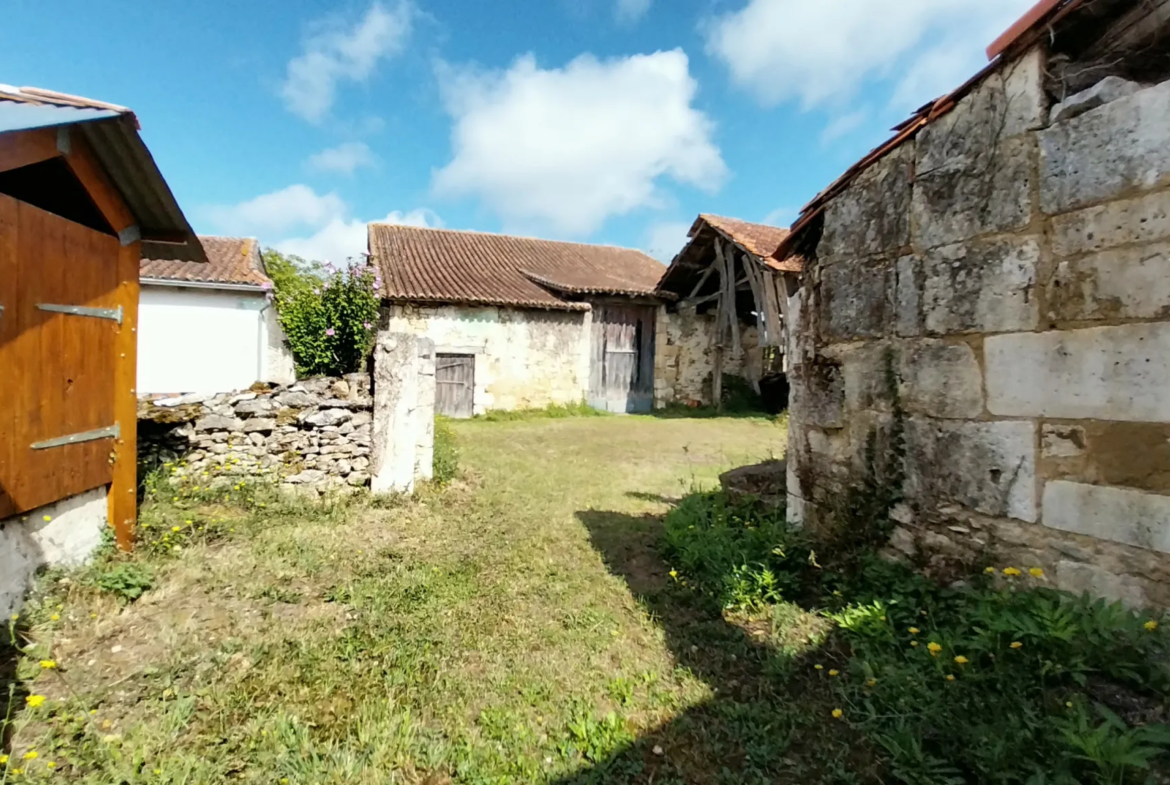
[314, 434]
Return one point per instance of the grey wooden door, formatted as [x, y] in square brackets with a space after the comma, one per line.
[621, 377]
[455, 385]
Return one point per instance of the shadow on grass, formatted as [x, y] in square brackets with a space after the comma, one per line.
[752, 730]
[678, 412]
[12, 692]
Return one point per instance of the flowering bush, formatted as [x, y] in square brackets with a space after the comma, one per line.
[329, 315]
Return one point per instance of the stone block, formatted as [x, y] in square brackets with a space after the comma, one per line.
[1108, 90]
[1106, 153]
[872, 216]
[259, 425]
[1142, 220]
[989, 467]
[818, 397]
[981, 287]
[1080, 577]
[1129, 454]
[908, 285]
[985, 191]
[1062, 441]
[215, 422]
[255, 406]
[864, 372]
[1124, 283]
[857, 298]
[327, 417]
[297, 399]
[1108, 373]
[941, 380]
[1121, 515]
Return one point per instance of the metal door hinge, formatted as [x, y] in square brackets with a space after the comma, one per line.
[113, 314]
[112, 432]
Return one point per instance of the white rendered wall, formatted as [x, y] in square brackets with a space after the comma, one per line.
[206, 341]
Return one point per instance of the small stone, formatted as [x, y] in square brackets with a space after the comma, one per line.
[1109, 89]
[216, 422]
[248, 396]
[358, 479]
[256, 438]
[339, 389]
[260, 425]
[307, 477]
[658, 750]
[362, 418]
[327, 417]
[346, 428]
[255, 407]
[296, 399]
[344, 467]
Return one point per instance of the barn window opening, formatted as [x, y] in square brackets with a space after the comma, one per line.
[52, 186]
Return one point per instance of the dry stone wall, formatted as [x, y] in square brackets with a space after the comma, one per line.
[684, 357]
[996, 296]
[313, 435]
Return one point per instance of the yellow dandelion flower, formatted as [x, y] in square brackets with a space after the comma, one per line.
[674, 573]
[1151, 625]
[914, 644]
[176, 528]
[914, 630]
[18, 771]
[950, 677]
[48, 518]
[1016, 645]
[990, 571]
[31, 755]
[1068, 704]
[871, 683]
[48, 664]
[838, 714]
[3, 759]
[834, 672]
[1036, 572]
[51, 764]
[1011, 572]
[34, 700]
[15, 616]
[819, 667]
[961, 660]
[934, 648]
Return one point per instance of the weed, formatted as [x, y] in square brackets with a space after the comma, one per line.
[446, 460]
[125, 580]
[554, 411]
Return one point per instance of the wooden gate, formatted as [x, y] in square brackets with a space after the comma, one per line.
[59, 324]
[621, 376]
[455, 385]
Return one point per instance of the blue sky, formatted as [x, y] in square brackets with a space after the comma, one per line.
[614, 121]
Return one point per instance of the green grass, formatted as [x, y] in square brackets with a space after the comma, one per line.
[515, 626]
[554, 411]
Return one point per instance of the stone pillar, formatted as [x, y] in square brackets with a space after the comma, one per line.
[404, 409]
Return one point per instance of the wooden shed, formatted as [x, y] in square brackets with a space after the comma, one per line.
[79, 192]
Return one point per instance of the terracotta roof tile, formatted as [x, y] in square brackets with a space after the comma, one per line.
[441, 265]
[759, 239]
[230, 260]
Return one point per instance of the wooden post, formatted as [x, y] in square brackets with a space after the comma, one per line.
[123, 498]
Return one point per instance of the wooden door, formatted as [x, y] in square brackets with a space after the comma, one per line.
[58, 282]
[621, 375]
[455, 385]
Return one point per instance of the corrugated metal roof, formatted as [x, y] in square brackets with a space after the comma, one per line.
[112, 133]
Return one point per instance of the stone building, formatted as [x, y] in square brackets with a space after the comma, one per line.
[522, 323]
[985, 317]
[705, 333]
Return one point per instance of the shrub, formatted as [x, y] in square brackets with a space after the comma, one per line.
[126, 580]
[329, 315]
[446, 463]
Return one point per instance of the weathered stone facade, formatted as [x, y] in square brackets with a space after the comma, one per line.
[524, 359]
[684, 357]
[315, 434]
[996, 291]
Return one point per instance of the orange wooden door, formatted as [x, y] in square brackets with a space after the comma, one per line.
[56, 369]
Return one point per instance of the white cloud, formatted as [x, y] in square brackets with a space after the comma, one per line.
[781, 216]
[631, 11]
[336, 52]
[843, 125]
[566, 148]
[343, 239]
[344, 159]
[276, 212]
[821, 53]
[664, 240]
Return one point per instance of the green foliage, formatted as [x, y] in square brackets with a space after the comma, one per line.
[446, 461]
[1001, 680]
[554, 411]
[739, 397]
[125, 580]
[329, 315]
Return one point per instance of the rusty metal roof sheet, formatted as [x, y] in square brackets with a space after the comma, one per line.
[112, 133]
[445, 266]
[230, 260]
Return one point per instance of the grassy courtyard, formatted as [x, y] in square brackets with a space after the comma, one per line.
[492, 631]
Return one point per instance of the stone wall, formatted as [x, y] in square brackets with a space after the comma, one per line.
[523, 358]
[999, 291]
[684, 357]
[314, 434]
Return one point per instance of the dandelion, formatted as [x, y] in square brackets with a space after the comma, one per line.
[34, 700]
[914, 630]
[3, 760]
[871, 683]
[51, 764]
[834, 672]
[934, 648]
[18, 771]
[819, 667]
[48, 518]
[1151, 625]
[15, 616]
[1011, 572]
[838, 714]
[1036, 572]
[176, 528]
[674, 573]
[1068, 704]
[961, 660]
[914, 644]
[1016, 645]
[330, 332]
[950, 677]
[990, 571]
[30, 755]
[48, 664]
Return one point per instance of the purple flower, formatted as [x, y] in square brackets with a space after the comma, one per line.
[367, 325]
[316, 291]
[329, 332]
[266, 286]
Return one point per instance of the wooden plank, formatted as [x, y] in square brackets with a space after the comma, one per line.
[24, 148]
[10, 288]
[107, 198]
[123, 499]
[597, 355]
[729, 305]
[455, 385]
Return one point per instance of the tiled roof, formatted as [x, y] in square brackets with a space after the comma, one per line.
[230, 260]
[758, 239]
[445, 266]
